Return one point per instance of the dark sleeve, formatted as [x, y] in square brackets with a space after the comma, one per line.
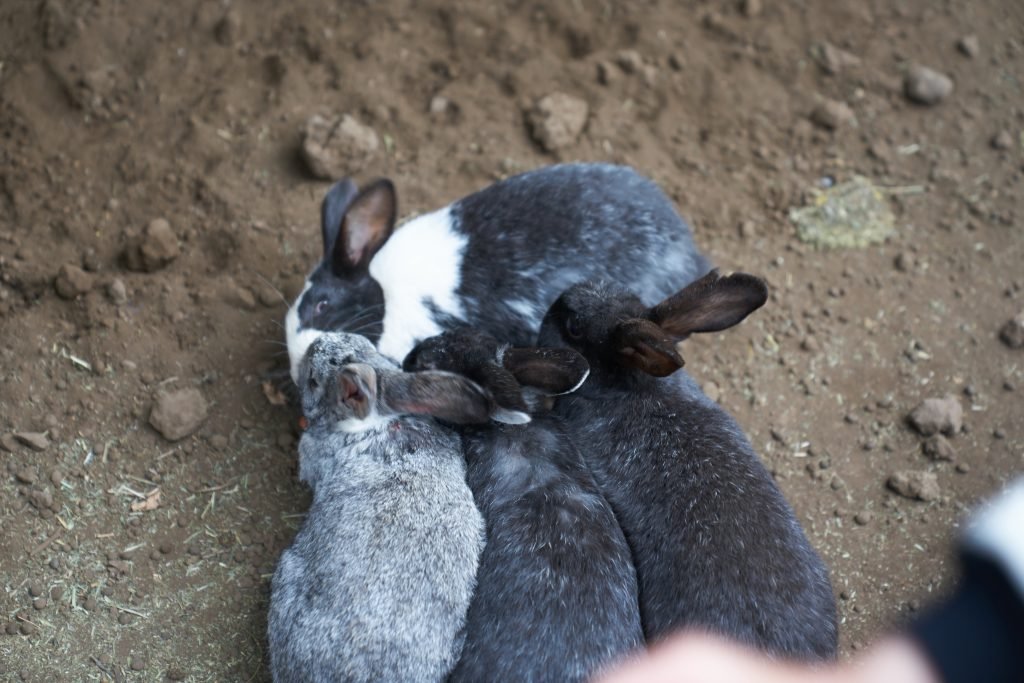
[977, 634]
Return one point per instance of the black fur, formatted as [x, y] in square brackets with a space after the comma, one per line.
[556, 596]
[716, 545]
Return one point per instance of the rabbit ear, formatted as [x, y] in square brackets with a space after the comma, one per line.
[365, 227]
[555, 371]
[332, 211]
[644, 346]
[710, 304]
[358, 388]
[443, 395]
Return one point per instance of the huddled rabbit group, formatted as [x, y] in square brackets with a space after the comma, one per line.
[512, 478]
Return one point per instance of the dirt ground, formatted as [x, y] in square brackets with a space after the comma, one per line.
[115, 114]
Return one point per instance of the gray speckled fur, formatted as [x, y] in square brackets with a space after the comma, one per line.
[376, 584]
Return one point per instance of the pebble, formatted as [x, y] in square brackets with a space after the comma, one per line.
[963, 467]
[1002, 140]
[37, 441]
[999, 433]
[630, 61]
[90, 603]
[35, 588]
[176, 414]
[26, 475]
[27, 629]
[118, 292]
[863, 518]
[915, 484]
[557, 120]
[904, 262]
[1012, 333]
[167, 547]
[72, 282]
[337, 147]
[751, 8]
[157, 247]
[809, 344]
[937, 447]
[833, 60]
[606, 73]
[936, 415]
[926, 86]
[969, 46]
[832, 114]
[748, 229]
[40, 603]
[219, 442]
[124, 618]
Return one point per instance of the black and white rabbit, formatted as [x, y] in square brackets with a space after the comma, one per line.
[495, 259]
[376, 584]
[556, 596]
[715, 543]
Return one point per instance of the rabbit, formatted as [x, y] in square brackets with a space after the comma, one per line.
[495, 259]
[376, 584]
[556, 596]
[715, 543]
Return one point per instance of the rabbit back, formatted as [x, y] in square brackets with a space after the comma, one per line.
[378, 580]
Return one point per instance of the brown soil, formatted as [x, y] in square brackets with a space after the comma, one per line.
[116, 114]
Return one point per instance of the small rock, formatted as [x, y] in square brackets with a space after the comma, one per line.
[219, 442]
[917, 485]
[832, 114]
[167, 547]
[1012, 333]
[27, 629]
[969, 46]
[904, 262]
[8, 442]
[936, 415]
[926, 86]
[748, 229]
[963, 467]
[937, 447]
[1002, 141]
[751, 8]
[178, 413]
[118, 292]
[831, 59]
[999, 433]
[138, 663]
[40, 603]
[237, 295]
[72, 282]
[226, 30]
[26, 476]
[863, 518]
[37, 441]
[606, 74]
[35, 588]
[557, 120]
[156, 249]
[630, 61]
[809, 344]
[333, 148]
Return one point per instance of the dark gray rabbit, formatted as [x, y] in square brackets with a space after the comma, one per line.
[715, 543]
[556, 596]
[376, 584]
[495, 260]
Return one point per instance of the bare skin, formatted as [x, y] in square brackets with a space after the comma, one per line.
[700, 658]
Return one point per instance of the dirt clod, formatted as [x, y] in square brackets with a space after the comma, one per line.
[176, 414]
[937, 447]
[35, 588]
[557, 120]
[1012, 333]
[917, 485]
[969, 46]
[333, 148]
[157, 247]
[1002, 141]
[936, 415]
[831, 59]
[118, 292]
[72, 282]
[37, 441]
[832, 114]
[927, 86]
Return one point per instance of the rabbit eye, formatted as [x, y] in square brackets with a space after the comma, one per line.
[573, 327]
[320, 306]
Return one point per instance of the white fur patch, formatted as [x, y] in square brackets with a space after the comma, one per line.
[422, 261]
[298, 340]
[526, 309]
[354, 425]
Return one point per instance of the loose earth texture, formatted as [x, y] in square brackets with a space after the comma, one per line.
[159, 191]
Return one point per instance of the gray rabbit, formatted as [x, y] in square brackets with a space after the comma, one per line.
[376, 584]
[715, 543]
